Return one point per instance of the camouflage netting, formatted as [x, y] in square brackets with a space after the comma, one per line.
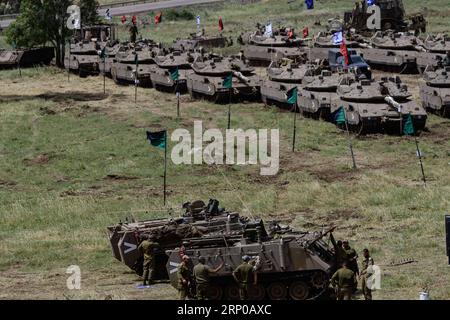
[175, 233]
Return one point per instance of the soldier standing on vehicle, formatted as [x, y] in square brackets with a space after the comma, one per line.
[366, 272]
[446, 61]
[243, 275]
[184, 277]
[201, 273]
[148, 247]
[339, 252]
[133, 33]
[345, 281]
[352, 257]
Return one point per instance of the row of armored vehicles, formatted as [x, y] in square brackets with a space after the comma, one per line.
[291, 264]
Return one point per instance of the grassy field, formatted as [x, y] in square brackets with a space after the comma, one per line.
[61, 144]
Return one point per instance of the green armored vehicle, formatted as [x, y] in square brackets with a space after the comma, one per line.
[372, 106]
[200, 40]
[211, 72]
[281, 80]
[197, 220]
[171, 71]
[435, 90]
[141, 54]
[26, 57]
[289, 264]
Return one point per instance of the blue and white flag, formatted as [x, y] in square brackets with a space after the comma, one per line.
[108, 15]
[198, 21]
[338, 37]
[268, 30]
[309, 4]
[371, 2]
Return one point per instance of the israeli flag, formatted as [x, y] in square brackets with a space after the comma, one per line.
[371, 2]
[338, 37]
[198, 21]
[268, 30]
[108, 15]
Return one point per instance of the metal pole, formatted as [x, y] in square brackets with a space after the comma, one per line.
[165, 170]
[104, 75]
[178, 99]
[419, 154]
[68, 65]
[350, 143]
[229, 110]
[295, 128]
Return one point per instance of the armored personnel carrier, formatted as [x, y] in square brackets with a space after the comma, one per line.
[26, 57]
[123, 69]
[281, 80]
[325, 40]
[372, 106]
[200, 40]
[210, 73]
[317, 92]
[290, 264]
[166, 63]
[435, 90]
[198, 220]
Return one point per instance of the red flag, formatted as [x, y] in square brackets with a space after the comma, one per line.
[124, 19]
[344, 52]
[305, 32]
[291, 34]
[220, 24]
[133, 20]
[158, 18]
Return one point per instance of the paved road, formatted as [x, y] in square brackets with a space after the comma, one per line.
[137, 8]
[153, 6]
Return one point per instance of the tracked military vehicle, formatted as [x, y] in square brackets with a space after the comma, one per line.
[281, 80]
[198, 220]
[372, 106]
[437, 44]
[111, 49]
[317, 92]
[26, 57]
[82, 56]
[290, 264]
[210, 73]
[123, 68]
[166, 63]
[397, 52]
[200, 40]
[435, 90]
[262, 49]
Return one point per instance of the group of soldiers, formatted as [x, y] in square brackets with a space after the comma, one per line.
[345, 279]
[197, 278]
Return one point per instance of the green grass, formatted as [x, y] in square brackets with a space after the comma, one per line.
[57, 150]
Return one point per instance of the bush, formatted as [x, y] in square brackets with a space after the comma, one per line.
[173, 15]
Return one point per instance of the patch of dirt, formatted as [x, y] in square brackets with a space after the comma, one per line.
[73, 95]
[116, 177]
[42, 159]
[343, 214]
[331, 174]
[7, 183]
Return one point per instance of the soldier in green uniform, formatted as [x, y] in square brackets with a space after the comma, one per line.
[243, 275]
[345, 281]
[340, 254]
[351, 257]
[133, 33]
[366, 272]
[184, 277]
[201, 273]
[446, 61]
[148, 248]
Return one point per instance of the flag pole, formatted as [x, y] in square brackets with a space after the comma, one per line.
[68, 67]
[178, 99]
[419, 154]
[229, 109]
[295, 128]
[350, 145]
[104, 75]
[165, 170]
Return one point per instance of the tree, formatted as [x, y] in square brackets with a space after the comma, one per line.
[43, 21]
